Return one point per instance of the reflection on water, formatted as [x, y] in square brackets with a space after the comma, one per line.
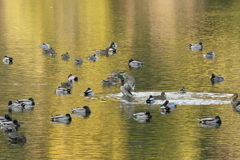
[155, 32]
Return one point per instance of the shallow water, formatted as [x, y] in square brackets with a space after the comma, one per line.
[156, 32]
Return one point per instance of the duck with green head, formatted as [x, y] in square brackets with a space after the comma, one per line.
[125, 88]
[29, 101]
[197, 46]
[84, 109]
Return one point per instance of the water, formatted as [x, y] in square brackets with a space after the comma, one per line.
[156, 32]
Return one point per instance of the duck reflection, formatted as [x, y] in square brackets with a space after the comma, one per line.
[215, 125]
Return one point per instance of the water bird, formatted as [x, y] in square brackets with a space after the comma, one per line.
[216, 79]
[134, 63]
[62, 90]
[49, 52]
[209, 55]
[110, 50]
[210, 120]
[72, 77]
[143, 115]
[10, 123]
[197, 46]
[125, 88]
[93, 57]
[17, 139]
[6, 117]
[44, 46]
[62, 118]
[150, 99]
[7, 60]
[18, 106]
[167, 106]
[29, 101]
[65, 56]
[130, 81]
[234, 100]
[84, 109]
[160, 97]
[9, 128]
[67, 84]
[182, 90]
[88, 92]
[78, 61]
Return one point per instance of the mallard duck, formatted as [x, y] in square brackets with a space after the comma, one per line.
[150, 99]
[125, 88]
[110, 81]
[17, 139]
[9, 128]
[78, 61]
[116, 73]
[7, 60]
[134, 63]
[93, 58]
[88, 92]
[234, 100]
[113, 46]
[237, 107]
[167, 106]
[160, 97]
[143, 115]
[44, 46]
[72, 77]
[197, 46]
[29, 101]
[12, 106]
[182, 90]
[5, 118]
[12, 123]
[216, 79]
[130, 81]
[210, 120]
[67, 84]
[62, 118]
[60, 89]
[65, 56]
[210, 55]
[84, 109]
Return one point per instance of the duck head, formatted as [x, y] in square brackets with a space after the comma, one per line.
[8, 117]
[163, 94]
[200, 43]
[31, 99]
[235, 95]
[16, 123]
[10, 102]
[213, 75]
[121, 77]
[148, 114]
[130, 60]
[217, 117]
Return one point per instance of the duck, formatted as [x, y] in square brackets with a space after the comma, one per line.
[237, 107]
[234, 100]
[17, 139]
[143, 115]
[12, 106]
[62, 118]
[5, 118]
[116, 73]
[216, 79]
[84, 109]
[160, 97]
[110, 81]
[7, 60]
[60, 90]
[182, 90]
[134, 63]
[67, 84]
[93, 58]
[130, 81]
[72, 77]
[125, 88]
[150, 99]
[210, 55]
[78, 61]
[113, 46]
[88, 92]
[197, 46]
[49, 52]
[167, 106]
[65, 56]
[9, 128]
[11, 123]
[104, 52]
[44, 46]
[29, 101]
[210, 120]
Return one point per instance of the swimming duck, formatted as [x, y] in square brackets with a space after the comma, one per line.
[150, 99]
[160, 97]
[197, 46]
[65, 56]
[125, 88]
[210, 120]
[113, 46]
[67, 84]
[84, 109]
[44, 46]
[110, 81]
[93, 58]
[12, 106]
[134, 63]
[88, 92]
[17, 139]
[167, 106]
[60, 89]
[143, 115]
[182, 90]
[11, 123]
[210, 55]
[7, 60]
[216, 79]
[72, 77]
[9, 128]
[234, 100]
[49, 52]
[29, 101]
[5, 118]
[62, 118]
[78, 61]
[104, 52]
